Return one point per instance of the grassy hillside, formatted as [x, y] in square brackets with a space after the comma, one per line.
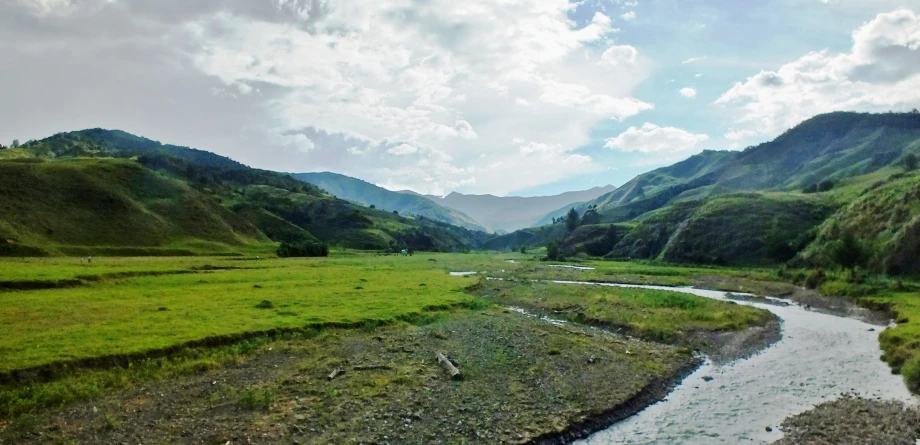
[367, 194]
[880, 230]
[116, 206]
[749, 207]
[748, 228]
[830, 147]
[108, 192]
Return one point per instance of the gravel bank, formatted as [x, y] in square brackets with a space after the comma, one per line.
[854, 421]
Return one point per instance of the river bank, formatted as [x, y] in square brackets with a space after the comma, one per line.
[523, 380]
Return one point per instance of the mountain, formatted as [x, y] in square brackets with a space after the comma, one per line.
[367, 194]
[828, 147]
[113, 193]
[808, 193]
[513, 213]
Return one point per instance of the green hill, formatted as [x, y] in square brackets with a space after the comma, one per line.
[109, 192]
[880, 229]
[367, 194]
[113, 206]
[831, 147]
[748, 207]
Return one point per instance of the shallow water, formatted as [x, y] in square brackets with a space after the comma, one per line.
[819, 357]
[566, 266]
[462, 274]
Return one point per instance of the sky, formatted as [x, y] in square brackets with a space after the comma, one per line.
[508, 97]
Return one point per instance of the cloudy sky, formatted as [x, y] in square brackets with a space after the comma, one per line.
[478, 96]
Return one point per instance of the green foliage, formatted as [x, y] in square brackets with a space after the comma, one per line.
[848, 251]
[810, 188]
[302, 249]
[910, 162]
[591, 217]
[15, 143]
[826, 185]
[572, 220]
[524, 249]
[256, 399]
[553, 252]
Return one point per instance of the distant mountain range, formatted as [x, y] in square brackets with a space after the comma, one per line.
[475, 212]
[367, 194]
[509, 213]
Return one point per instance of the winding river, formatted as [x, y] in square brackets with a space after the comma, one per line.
[819, 357]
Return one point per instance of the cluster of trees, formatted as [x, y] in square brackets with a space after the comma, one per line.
[573, 220]
[302, 249]
[15, 144]
[823, 186]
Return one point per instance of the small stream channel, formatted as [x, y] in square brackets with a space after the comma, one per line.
[819, 357]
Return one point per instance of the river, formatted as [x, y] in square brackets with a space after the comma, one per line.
[819, 357]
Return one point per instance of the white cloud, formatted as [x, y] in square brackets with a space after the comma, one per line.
[694, 59]
[652, 139]
[435, 74]
[737, 135]
[689, 93]
[619, 54]
[403, 149]
[628, 16]
[880, 73]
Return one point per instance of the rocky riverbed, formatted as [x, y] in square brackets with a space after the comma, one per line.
[854, 421]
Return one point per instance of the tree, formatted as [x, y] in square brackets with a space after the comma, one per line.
[572, 221]
[373, 206]
[910, 162]
[825, 185]
[848, 252]
[523, 249]
[554, 220]
[15, 143]
[395, 212]
[553, 252]
[591, 217]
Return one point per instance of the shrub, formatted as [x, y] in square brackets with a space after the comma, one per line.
[825, 185]
[553, 252]
[302, 249]
[815, 279]
[811, 188]
[911, 372]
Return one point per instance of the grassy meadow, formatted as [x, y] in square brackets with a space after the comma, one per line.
[119, 321]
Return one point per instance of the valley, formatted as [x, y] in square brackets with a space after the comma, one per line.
[154, 292]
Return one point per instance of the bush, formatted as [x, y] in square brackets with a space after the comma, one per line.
[815, 279]
[825, 185]
[302, 249]
[553, 252]
[911, 372]
[811, 188]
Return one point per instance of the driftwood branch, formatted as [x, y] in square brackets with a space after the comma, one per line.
[451, 369]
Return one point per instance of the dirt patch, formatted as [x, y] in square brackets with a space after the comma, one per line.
[524, 381]
[854, 421]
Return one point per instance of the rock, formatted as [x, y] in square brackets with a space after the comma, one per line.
[871, 329]
[769, 429]
[707, 378]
